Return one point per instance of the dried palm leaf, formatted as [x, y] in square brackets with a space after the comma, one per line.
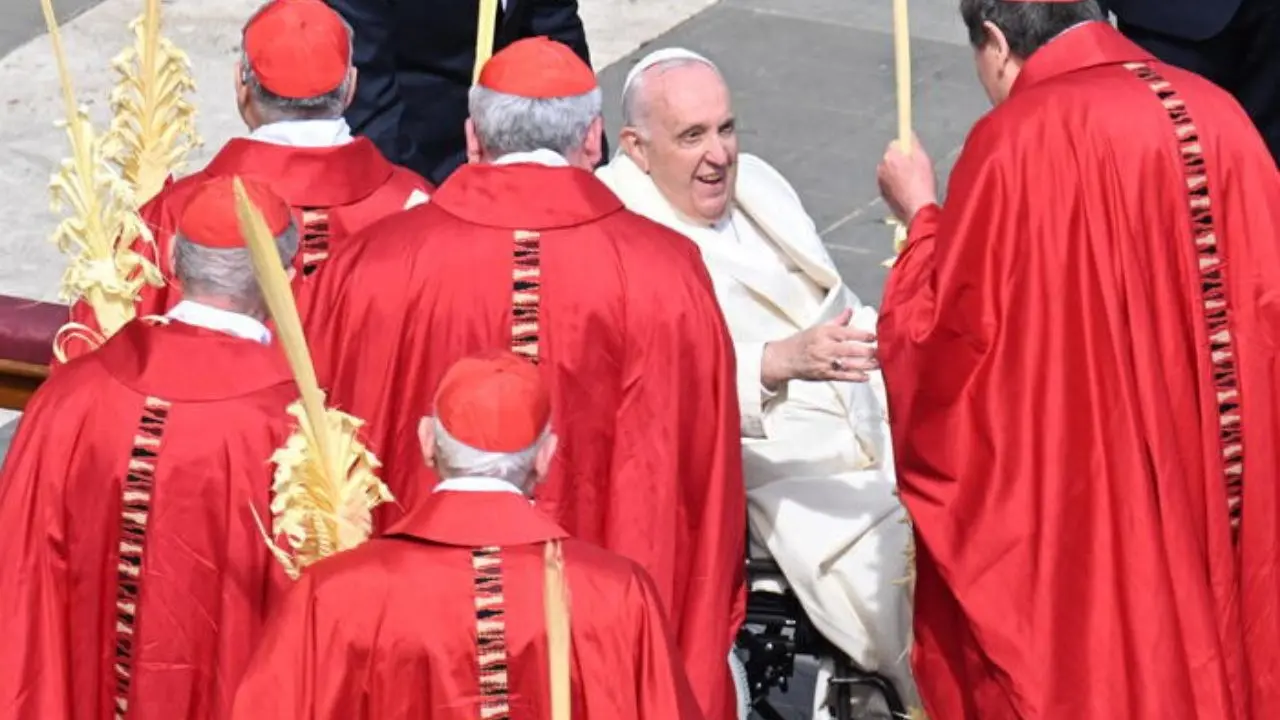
[325, 486]
[154, 128]
[485, 28]
[555, 603]
[899, 240]
[316, 515]
[103, 225]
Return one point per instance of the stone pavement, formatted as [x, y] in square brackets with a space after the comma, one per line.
[812, 81]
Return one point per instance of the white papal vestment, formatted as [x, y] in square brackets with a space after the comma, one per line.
[817, 456]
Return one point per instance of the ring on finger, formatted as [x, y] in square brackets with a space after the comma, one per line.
[837, 365]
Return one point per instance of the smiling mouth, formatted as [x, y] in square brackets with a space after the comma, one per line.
[711, 178]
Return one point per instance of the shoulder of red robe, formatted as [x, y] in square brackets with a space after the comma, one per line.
[298, 48]
[209, 216]
[496, 402]
[538, 67]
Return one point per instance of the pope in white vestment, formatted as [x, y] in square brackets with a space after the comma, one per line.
[817, 456]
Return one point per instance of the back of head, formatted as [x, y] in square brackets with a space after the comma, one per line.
[535, 94]
[296, 63]
[1026, 24]
[210, 258]
[1005, 33]
[491, 420]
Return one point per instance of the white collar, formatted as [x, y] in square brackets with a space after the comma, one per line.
[219, 320]
[304, 133]
[541, 156]
[469, 483]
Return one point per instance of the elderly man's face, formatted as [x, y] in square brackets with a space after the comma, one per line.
[689, 145]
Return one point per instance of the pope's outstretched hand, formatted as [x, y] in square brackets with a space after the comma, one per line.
[830, 351]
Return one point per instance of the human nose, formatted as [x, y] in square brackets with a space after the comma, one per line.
[717, 152]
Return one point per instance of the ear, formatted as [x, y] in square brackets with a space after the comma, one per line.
[353, 77]
[633, 145]
[427, 438]
[242, 98]
[593, 146]
[547, 451]
[475, 153]
[997, 41]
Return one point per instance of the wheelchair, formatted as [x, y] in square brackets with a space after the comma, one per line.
[776, 630]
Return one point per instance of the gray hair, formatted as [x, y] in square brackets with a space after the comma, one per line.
[455, 458]
[226, 273]
[275, 108]
[1027, 26]
[635, 106]
[510, 123]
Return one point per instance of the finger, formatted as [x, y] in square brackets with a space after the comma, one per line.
[861, 364]
[848, 334]
[842, 319]
[847, 375]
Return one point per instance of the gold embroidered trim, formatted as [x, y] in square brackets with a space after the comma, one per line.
[135, 508]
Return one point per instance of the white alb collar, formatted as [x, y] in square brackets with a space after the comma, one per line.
[541, 156]
[469, 483]
[304, 133]
[219, 320]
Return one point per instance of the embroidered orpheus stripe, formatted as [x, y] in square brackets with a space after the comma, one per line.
[313, 246]
[491, 633]
[135, 507]
[1213, 283]
[526, 294]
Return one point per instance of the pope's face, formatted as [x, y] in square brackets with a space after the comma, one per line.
[690, 144]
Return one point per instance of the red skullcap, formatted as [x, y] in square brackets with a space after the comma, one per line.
[537, 68]
[298, 48]
[209, 217]
[494, 403]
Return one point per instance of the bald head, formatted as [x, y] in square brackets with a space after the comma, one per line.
[680, 129]
[636, 93]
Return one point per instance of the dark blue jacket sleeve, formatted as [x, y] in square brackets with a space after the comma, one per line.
[378, 107]
[558, 20]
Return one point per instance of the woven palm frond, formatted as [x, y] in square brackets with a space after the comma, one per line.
[322, 509]
[154, 127]
[75, 333]
[555, 601]
[325, 486]
[899, 239]
[101, 224]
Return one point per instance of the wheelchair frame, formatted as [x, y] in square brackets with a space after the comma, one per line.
[786, 631]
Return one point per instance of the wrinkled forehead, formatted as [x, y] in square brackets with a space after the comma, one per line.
[685, 95]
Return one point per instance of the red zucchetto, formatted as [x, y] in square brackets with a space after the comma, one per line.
[298, 48]
[537, 68]
[209, 217]
[494, 403]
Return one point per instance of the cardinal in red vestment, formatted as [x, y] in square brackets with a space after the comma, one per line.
[134, 583]
[445, 618]
[295, 79]
[524, 249]
[1084, 388]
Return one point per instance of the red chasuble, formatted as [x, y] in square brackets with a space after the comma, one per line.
[334, 191]
[444, 620]
[133, 580]
[1081, 356]
[545, 261]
